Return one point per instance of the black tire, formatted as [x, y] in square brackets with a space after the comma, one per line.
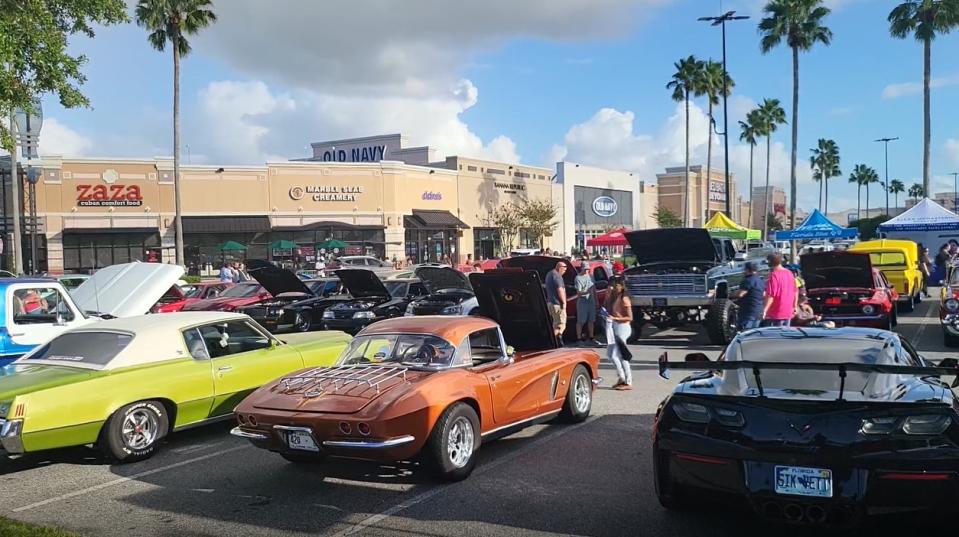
[890, 322]
[303, 458]
[303, 321]
[436, 453]
[123, 442]
[721, 321]
[949, 340]
[669, 494]
[576, 411]
[910, 304]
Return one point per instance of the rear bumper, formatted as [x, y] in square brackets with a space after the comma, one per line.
[272, 438]
[350, 326]
[871, 321]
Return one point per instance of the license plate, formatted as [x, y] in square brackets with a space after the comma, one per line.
[301, 440]
[798, 481]
[660, 302]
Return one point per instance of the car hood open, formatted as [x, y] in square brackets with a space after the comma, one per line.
[670, 245]
[362, 283]
[541, 264]
[126, 290]
[439, 278]
[837, 270]
[274, 279]
[516, 301]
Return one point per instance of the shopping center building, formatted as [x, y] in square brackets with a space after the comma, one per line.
[373, 194]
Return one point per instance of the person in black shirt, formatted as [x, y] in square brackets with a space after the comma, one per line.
[749, 297]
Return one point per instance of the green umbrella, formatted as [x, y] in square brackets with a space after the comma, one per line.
[283, 245]
[231, 246]
[332, 244]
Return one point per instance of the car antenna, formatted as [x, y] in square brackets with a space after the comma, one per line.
[759, 380]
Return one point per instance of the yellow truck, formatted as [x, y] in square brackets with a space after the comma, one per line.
[899, 262]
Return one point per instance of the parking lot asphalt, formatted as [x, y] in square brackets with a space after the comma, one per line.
[590, 479]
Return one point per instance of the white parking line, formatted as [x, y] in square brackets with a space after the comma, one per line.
[922, 326]
[419, 498]
[118, 481]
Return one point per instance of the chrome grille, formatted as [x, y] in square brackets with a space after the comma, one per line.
[343, 380]
[666, 284]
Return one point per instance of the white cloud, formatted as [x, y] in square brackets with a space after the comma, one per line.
[894, 91]
[59, 139]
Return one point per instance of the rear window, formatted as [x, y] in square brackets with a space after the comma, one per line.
[884, 259]
[242, 291]
[89, 348]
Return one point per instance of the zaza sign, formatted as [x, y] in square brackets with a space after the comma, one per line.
[605, 206]
[114, 195]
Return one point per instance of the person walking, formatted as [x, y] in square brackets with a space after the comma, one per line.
[556, 297]
[749, 297]
[585, 305]
[925, 267]
[619, 317]
[781, 297]
[226, 273]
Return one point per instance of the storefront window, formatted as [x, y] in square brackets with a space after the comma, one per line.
[85, 253]
[486, 243]
[430, 245]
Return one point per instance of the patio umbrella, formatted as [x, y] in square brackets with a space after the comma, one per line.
[231, 246]
[613, 238]
[332, 244]
[283, 245]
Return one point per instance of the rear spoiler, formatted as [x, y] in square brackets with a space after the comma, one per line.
[699, 362]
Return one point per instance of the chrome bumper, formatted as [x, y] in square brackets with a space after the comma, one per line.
[237, 431]
[370, 444]
[687, 301]
[10, 439]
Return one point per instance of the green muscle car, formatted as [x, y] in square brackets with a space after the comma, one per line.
[123, 384]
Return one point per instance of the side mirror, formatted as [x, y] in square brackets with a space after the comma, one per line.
[274, 343]
[510, 354]
[949, 363]
[741, 256]
[696, 357]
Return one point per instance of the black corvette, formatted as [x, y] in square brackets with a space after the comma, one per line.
[811, 426]
[372, 300]
[450, 293]
[286, 289]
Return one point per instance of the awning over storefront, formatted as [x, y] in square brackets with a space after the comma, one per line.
[226, 224]
[325, 224]
[721, 225]
[109, 230]
[433, 219]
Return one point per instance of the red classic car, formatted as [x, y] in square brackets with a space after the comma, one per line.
[542, 264]
[241, 294]
[843, 287]
[189, 294]
[949, 308]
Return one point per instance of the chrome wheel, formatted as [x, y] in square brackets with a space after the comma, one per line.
[581, 394]
[140, 429]
[459, 442]
[302, 322]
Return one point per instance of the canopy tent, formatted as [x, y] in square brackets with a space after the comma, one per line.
[332, 244]
[927, 222]
[231, 246]
[283, 245]
[613, 238]
[721, 225]
[816, 226]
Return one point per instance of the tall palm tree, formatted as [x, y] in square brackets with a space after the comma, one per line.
[869, 178]
[683, 83]
[799, 24]
[818, 175]
[857, 177]
[916, 191]
[924, 19]
[895, 187]
[750, 134]
[171, 21]
[825, 165]
[770, 116]
[711, 84]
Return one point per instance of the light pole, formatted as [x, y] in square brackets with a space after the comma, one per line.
[25, 125]
[885, 142]
[721, 21]
[955, 191]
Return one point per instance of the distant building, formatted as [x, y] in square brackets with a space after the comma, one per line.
[707, 196]
[776, 201]
[946, 199]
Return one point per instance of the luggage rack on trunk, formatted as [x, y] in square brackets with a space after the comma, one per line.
[342, 378]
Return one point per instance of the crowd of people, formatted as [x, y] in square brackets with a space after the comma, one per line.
[779, 300]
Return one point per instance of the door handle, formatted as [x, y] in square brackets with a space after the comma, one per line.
[18, 334]
[224, 368]
[495, 377]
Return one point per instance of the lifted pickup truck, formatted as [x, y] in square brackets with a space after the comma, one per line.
[684, 276]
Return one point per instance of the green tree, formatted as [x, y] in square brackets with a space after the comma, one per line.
[683, 83]
[924, 20]
[798, 23]
[773, 223]
[34, 55]
[667, 218]
[172, 21]
[770, 115]
[710, 84]
[825, 165]
[749, 133]
[508, 221]
[916, 191]
[539, 218]
[895, 188]
[870, 177]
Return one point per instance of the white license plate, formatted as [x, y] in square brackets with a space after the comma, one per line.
[799, 481]
[300, 440]
[660, 302]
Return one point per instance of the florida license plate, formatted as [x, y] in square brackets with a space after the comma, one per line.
[300, 440]
[797, 481]
[660, 302]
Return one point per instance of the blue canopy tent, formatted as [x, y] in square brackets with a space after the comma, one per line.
[816, 226]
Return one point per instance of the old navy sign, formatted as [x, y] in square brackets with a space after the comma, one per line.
[373, 153]
[605, 206]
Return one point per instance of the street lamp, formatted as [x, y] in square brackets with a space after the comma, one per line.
[25, 125]
[955, 191]
[721, 21]
[886, 141]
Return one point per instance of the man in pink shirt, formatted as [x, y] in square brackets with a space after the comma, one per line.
[781, 297]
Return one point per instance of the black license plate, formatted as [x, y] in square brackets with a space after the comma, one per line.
[662, 302]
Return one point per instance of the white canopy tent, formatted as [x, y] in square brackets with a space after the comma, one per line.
[927, 222]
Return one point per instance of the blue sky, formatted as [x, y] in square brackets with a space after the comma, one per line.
[536, 81]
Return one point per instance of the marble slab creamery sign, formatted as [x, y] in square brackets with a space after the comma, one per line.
[326, 192]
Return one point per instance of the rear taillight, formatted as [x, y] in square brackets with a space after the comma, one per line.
[926, 424]
[833, 301]
[698, 413]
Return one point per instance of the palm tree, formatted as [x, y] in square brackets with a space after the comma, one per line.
[924, 19]
[895, 187]
[799, 24]
[857, 177]
[869, 178]
[770, 116]
[825, 165]
[750, 135]
[171, 21]
[833, 169]
[916, 191]
[711, 84]
[683, 83]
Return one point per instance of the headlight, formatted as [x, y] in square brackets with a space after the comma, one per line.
[364, 315]
[327, 314]
[869, 309]
[931, 424]
[952, 304]
[5, 409]
[452, 310]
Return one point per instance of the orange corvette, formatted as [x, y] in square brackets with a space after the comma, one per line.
[436, 387]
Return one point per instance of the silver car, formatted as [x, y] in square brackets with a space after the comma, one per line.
[365, 262]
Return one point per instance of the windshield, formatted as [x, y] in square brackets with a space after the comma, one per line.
[91, 348]
[405, 349]
[885, 259]
[396, 289]
[192, 291]
[243, 290]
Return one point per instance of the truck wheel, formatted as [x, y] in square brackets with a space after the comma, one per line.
[721, 321]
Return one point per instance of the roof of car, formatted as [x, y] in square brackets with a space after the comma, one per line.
[160, 322]
[449, 327]
[41, 281]
[790, 332]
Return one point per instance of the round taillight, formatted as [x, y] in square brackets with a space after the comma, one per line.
[345, 428]
[252, 420]
[364, 429]
[240, 419]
